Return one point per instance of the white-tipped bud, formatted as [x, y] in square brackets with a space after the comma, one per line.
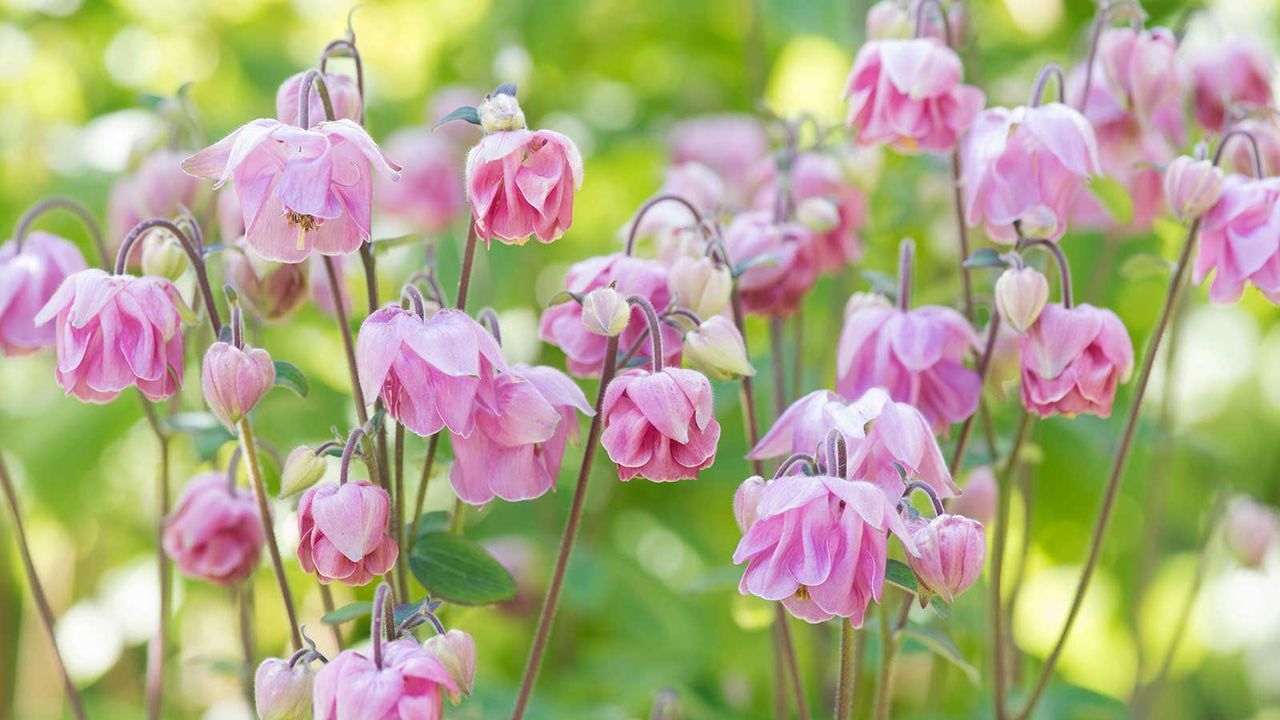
[302, 469]
[1021, 294]
[456, 650]
[605, 312]
[746, 500]
[716, 350]
[818, 214]
[163, 256]
[501, 112]
[1191, 187]
[700, 284]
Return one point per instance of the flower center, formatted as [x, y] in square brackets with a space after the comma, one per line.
[802, 593]
[304, 223]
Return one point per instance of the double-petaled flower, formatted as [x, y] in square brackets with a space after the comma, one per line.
[343, 533]
[1240, 240]
[1072, 361]
[214, 533]
[660, 425]
[29, 277]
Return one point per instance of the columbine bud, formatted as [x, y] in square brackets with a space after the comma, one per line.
[952, 549]
[234, 380]
[281, 692]
[455, 650]
[1191, 187]
[700, 284]
[501, 112]
[864, 300]
[302, 469]
[717, 350]
[818, 214]
[1020, 296]
[745, 501]
[1251, 529]
[978, 499]
[888, 19]
[163, 256]
[605, 312]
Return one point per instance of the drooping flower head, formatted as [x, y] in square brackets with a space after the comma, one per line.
[817, 181]
[343, 535]
[456, 650]
[282, 690]
[1191, 187]
[1240, 240]
[782, 266]
[233, 380]
[1238, 72]
[430, 192]
[214, 533]
[28, 279]
[660, 425]
[952, 550]
[1021, 293]
[1073, 359]
[343, 94]
[409, 684]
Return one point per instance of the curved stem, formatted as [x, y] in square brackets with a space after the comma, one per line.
[413, 295]
[73, 206]
[794, 459]
[347, 451]
[906, 258]
[349, 47]
[489, 318]
[984, 367]
[655, 330]
[1106, 11]
[375, 631]
[197, 261]
[1064, 269]
[37, 591]
[313, 77]
[1050, 70]
[915, 485]
[548, 612]
[630, 247]
[437, 292]
[946, 22]
[1117, 467]
[1005, 481]
[1253, 146]
[685, 313]
[468, 260]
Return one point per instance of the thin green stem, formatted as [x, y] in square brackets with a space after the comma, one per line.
[157, 651]
[397, 515]
[326, 598]
[789, 656]
[997, 564]
[846, 678]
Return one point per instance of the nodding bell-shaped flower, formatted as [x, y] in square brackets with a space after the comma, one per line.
[909, 94]
[701, 285]
[1236, 73]
[819, 544]
[343, 95]
[456, 650]
[28, 279]
[1238, 240]
[1072, 361]
[1250, 531]
[782, 265]
[300, 190]
[746, 500]
[214, 533]
[660, 425]
[234, 380]
[343, 534]
[1021, 293]
[409, 684]
[520, 182]
[282, 691]
[732, 145]
[717, 350]
[302, 469]
[116, 332]
[952, 550]
[978, 498]
[1191, 187]
[605, 312]
[430, 192]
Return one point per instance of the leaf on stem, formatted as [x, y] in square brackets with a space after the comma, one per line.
[289, 376]
[459, 570]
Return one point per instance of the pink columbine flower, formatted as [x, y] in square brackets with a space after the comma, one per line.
[214, 533]
[908, 93]
[116, 332]
[282, 691]
[234, 379]
[1191, 187]
[409, 685]
[300, 190]
[783, 266]
[819, 545]
[952, 550]
[1250, 529]
[429, 193]
[1264, 127]
[456, 650]
[157, 188]
[1240, 240]
[430, 374]
[271, 290]
[343, 533]
[1072, 361]
[816, 177]
[660, 425]
[1027, 164]
[731, 145]
[343, 94]
[28, 279]
[916, 355]
[520, 182]
[561, 324]
[669, 231]
[516, 448]
[1239, 72]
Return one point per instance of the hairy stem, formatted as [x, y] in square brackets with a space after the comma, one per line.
[846, 678]
[76, 208]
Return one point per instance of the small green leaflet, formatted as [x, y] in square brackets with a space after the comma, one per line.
[289, 376]
[459, 570]
[347, 613]
[941, 645]
[897, 573]
[984, 258]
[466, 112]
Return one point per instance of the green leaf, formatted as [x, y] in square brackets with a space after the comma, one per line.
[985, 258]
[1145, 265]
[941, 645]
[397, 241]
[347, 613]
[466, 112]
[289, 376]
[459, 570]
[1114, 198]
[434, 521]
[899, 574]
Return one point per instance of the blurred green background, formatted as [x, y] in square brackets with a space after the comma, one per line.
[651, 603]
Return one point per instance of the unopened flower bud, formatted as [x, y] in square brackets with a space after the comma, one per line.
[889, 20]
[952, 549]
[1038, 221]
[1191, 187]
[716, 349]
[605, 312]
[501, 112]
[455, 650]
[745, 501]
[978, 498]
[234, 380]
[700, 284]
[281, 691]
[302, 469]
[1021, 294]
[818, 214]
[864, 300]
[163, 256]
[1251, 530]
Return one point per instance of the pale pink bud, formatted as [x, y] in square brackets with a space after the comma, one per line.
[501, 112]
[163, 256]
[1021, 293]
[978, 498]
[889, 19]
[819, 214]
[1191, 187]
[700, 284]
[281, 691]
[1251, 530]
[605, 312]
[746, 500]
[716, 349]
[863, 300]
[456, 650]
[952, 549]
[302, 469]
[234, 380]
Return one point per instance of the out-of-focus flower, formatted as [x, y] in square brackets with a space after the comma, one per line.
[1237, 72]
[605, 312]
[701, 285]
[214, 533]
[409, 685]
[429, 193]
[272, 290]
[1240, 240]
[157, 188]
[233, 380]
[660, 425]
[1191, 187]
[746, 500]
[1021, 294]
[322, 289]
[282, 691]
[781, 267]
[456, 650]
[717, 349]
[952, 550]
[28, 279]
[1250, 531]
[1264, 127]
[343, 95]
[343, 533]
[819, 186]
[731, 145]
[302, 469]
[896, 19]
[978, 498]
[163, 256]
[1072, 361]
[669, 230]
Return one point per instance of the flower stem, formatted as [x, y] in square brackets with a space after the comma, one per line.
[75, 207]
[157, 649]
[962, 229]
[984, 366]
[846, 678]
[1117, 467]
[789, 655]
[888, 646]
[397, 515]
[547, 615]
[997, 562]
[468, 260]
[243, 599]
[37, 591]
[326, 598]
[250, 451]
[432, 444]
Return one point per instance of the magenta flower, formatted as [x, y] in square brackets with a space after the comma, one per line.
[408, 685]
[1027, 164]
[343, 534]
[1072, 360]
[952, 550]
[731, 145]
[300, 190]
[214, 533]
[660, 425]
[819, 545]
[1240, 240]
[429, 193]
[516, 448]
[431, 374]
[234, 379]
[782, 262]
[1239, 72]
[157, 188]
[908, 93]
[561, 324]
[28, 279]
[916, 355]
[818, 176]
[343, 94]
[115, 332]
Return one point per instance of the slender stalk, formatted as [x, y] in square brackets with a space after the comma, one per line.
[468, 260]
[73, 206]
[962, 236]
[348, 343]
[789, 655]
[779, 366]
[547, 615]
[243, 598]
[397, 516]
[997, 563]
[37, 591]
[845, 683]
[326, 597]
[887, 648]
[1117, 468]
[422, 489]
[1026, 486]
[157, 650]
[250, 451]
[984, 365]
